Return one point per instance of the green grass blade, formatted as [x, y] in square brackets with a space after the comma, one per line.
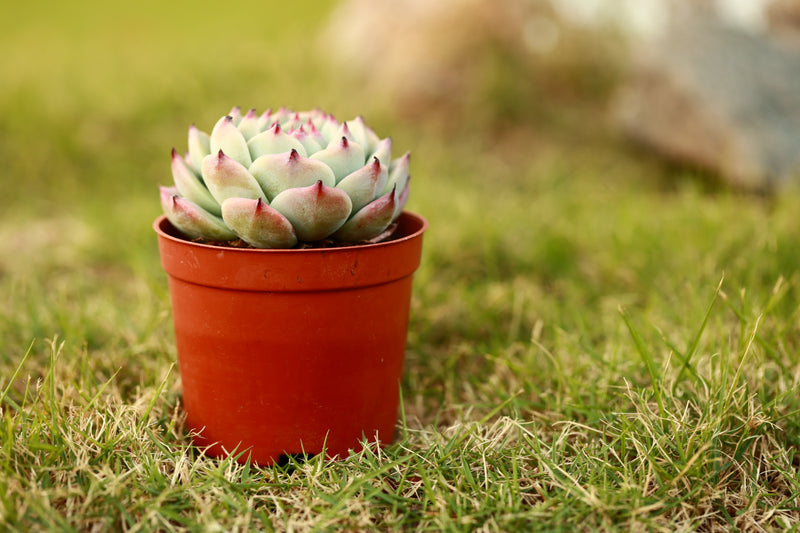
[647, 358]
[13, 377]
[692, 349]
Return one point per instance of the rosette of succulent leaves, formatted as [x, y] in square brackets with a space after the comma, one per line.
[284, 179]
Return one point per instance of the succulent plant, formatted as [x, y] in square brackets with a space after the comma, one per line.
[284, 178]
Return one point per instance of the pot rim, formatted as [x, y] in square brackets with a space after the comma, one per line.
[165, 229]
[289, 270]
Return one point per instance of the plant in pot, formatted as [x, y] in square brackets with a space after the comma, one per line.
[290, 260]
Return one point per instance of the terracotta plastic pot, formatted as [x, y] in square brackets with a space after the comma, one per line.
[291, 351]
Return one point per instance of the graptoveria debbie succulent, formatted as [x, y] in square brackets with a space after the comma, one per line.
[282, 178]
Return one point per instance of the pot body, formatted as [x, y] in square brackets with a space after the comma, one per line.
[290, 351]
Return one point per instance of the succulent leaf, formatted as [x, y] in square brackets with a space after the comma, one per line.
[274, 141]
[258, 224]
[190, 186]
[295, 121]
[383, 151]
[265, 120]
[398, 173]
[227, 178]
[362, 134]
[370, 221]
[365, 184]
[372, 137]
[249, 125]
[315, 211]
[198, 146]
[344, 131]
[313, 131]
[309, 141]
[278, 172]
[236, 115]
[191, 219]
[328, 127]
[281, 115]
[315, 115]
[343, 156]
[402, 198]
[226, 137]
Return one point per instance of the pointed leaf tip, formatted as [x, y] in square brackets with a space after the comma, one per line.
[382, 149]
[190, 185]
[226, 136]
[274, 141]
[258, 224]
[315, 211]
[249, 125]
[167, 194]
[370, 221]
[199, 146]
[191, 219]
[278, 172]
[343, 157]
[365, 184]
[402, 198]
[226, 178]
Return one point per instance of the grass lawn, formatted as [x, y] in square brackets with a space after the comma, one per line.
[597, 341]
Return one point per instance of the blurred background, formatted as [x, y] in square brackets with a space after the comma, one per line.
[91, 88]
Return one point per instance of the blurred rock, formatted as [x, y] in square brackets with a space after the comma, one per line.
[473, 61]
[715, 96]
[420, 51]
[783, 18]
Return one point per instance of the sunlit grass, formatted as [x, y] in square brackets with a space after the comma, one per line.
[596, 341]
